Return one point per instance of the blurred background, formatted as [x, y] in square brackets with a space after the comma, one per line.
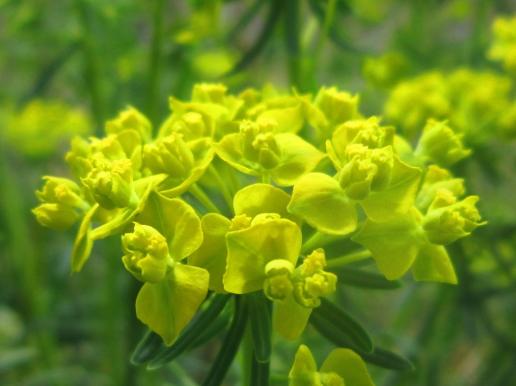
[67, 66]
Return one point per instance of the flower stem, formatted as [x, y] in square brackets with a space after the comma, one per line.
[155, 60]
[223, 187]
[348, 259]
[317, 240]
[203, 198]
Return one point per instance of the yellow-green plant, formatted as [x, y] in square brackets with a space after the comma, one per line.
[40, 127]
[241, 196]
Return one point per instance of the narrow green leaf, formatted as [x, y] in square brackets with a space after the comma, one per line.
[261, 325]
[191, 333]
[359, 278]
[259, 373]
[229, 347]
[387, 359]
[148, 346]
[266, 32]
[220, 324]
[344, 326]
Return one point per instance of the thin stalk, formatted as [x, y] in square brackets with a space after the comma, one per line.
[223, 187]
[317, 240]
[329, 16]
[348, 259]
[266, 178]
[155, 56]
[92, 64]
[203, 198]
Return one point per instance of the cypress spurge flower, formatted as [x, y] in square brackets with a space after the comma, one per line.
[342, 367]
[219, 203]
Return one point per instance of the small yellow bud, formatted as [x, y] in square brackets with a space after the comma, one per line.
[209, 93]
[331, 379]
[130, 119]
[61, 205]
[170, 155]
[110, 182]
[311, 281]
[55, 216]
[447, 220]
[240, 221]
[278, 283]
[440, 144]
[337, 106]
[259, 144]
[367, 169]
[146, 254]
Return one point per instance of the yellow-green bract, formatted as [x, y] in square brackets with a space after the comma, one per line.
[237, 194]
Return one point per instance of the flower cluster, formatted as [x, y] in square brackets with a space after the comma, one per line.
[503, 47]
[241, 194]
[41, 126]
[478, 105]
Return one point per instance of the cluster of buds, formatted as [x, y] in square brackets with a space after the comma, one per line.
[307, 283]
[259, 143]
[440, 144]
[146, 254]
[448, 219]
[170, 155]
[61, 203]
[110, 182]
[366, 170]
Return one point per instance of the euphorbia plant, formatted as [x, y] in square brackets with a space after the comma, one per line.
[261, 198]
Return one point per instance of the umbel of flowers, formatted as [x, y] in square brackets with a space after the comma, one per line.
[241, 195]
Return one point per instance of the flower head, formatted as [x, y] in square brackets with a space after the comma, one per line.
[146, 253]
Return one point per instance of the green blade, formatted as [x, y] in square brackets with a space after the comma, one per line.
[363, 279]
[343, 325]
[148, 346]
[229, 346]
[261, 326]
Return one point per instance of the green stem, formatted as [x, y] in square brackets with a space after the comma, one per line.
[348, 259]
[223, 187]
[203, 198]
[155, 60]
[266, 178]
[317, 240]
[92, 65]
[325, 30]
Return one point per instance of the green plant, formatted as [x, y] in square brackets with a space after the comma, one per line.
[264, 198]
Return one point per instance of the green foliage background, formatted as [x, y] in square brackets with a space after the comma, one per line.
[94, 57]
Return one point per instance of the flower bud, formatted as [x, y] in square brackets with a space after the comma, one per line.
[209, 93]
[263, 218]
[331, 379]
[61, 205]
[146, 254]
[440, 144]
[55, 216]
[312, 282]
[239, 222]
[438, 179]
[367, 169]
[61, 191]
[192, 125]
[337, 106]
[367, 132]
[110, 182]
[278, 283]
[130, 119]
[448, 220]
[77, 157]
[258, 143]
[170, 155]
